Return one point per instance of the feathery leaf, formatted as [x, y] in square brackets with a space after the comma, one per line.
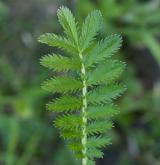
[57, 41]
[88, 87]
[97, 127]
[65, 104]
[62, 84]
[90, 27]
[75, 145]
[94, 153]
[101, 112]
[65, 122]
[72, 134]
[98, 142]
[105, 72]
[105, 94]
[69, 24]
[60, 63]
[103, 50]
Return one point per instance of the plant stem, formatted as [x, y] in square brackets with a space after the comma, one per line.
[84, 115]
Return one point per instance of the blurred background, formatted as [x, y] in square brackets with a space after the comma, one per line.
[27, 135]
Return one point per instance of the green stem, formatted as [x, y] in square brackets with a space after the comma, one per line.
[84, 115]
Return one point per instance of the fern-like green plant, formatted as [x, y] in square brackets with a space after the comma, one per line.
[86, 83]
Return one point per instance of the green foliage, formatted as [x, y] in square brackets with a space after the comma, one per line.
[60, 63]
[65, 103]
[137, 20]
[110, 71]
[105, 94]
[62, 84]
[136, 137]
[86, 84]
[69, 24]
[58, 41]
[88, 32]
[105, 48]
